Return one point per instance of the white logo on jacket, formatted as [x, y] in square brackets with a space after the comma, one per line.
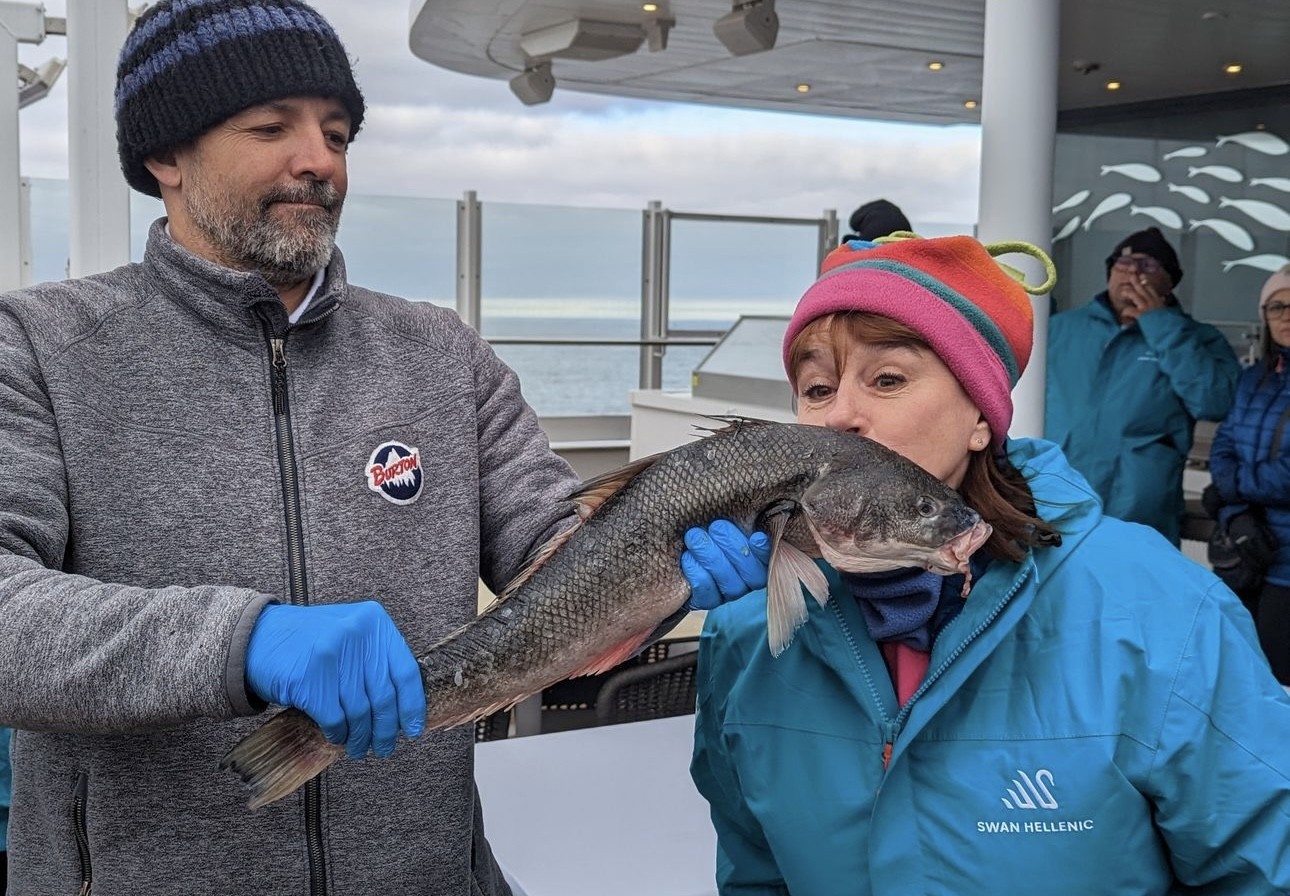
[1028, 794]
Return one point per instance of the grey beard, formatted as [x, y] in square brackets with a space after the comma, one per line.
[283, 255]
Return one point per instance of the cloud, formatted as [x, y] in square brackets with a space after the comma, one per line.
[731, 162]
[435, 133]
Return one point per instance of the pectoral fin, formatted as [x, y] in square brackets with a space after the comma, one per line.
[790, 569]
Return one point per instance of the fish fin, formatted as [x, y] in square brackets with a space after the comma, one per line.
[730, 423]
[596, 491]
[588, 499]
[790, 568]
[475, 715]
[612, 657]
[535, 561]
[280, 756]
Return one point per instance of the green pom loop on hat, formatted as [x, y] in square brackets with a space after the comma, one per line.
[1007, 247]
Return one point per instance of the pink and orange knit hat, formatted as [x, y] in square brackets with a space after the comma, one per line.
[973, 311]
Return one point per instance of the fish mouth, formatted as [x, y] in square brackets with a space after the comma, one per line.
[953, 556]
[865, 557]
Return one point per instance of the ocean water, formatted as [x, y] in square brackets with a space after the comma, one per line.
[572, 380]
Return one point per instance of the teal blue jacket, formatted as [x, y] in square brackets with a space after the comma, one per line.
[1097, 719]
[1122, 403]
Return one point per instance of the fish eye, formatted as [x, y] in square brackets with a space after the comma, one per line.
[927, 506]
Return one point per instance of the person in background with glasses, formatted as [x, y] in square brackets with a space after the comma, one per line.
[1129, 374]
[1250, 465]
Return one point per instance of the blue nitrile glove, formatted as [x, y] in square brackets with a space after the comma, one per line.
[721, 563]
[344, 665]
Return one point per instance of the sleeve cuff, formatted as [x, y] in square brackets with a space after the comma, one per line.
[244, 703]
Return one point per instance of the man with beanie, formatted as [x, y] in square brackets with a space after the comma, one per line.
[876, 218]
[231, 479]
[1129, 374]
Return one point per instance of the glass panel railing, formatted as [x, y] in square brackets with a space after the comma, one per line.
[553, 276]
[404, 246]
[723, 268]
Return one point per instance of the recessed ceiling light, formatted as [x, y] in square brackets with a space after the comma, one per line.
[970, 104]
[803, 88]
[650, 7]
[1232, 68]
[936, 66]
[1113, 85]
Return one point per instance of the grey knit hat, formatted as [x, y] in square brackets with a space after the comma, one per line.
[188, 65]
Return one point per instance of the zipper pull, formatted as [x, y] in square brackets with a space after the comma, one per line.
[890, 730]
[279, 347]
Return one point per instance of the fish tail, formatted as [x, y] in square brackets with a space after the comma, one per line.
[280, 756]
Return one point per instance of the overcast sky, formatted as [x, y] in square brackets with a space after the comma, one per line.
[434, 133]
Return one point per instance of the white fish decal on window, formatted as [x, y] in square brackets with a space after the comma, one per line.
[1187, 152]
[1276, 183]
[1071, 201]
[1259, 141]
[1262, 262]
[1235, 234]
[1166, 216]
[1067, 229]
[1265, 213]
[1109, 204]
[1195, 194]
[1222, 172]
[1135, 170]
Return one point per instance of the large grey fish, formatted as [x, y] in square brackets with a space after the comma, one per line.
[594, 595]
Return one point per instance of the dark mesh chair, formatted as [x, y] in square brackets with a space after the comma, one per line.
[493, 727]
[649, 690]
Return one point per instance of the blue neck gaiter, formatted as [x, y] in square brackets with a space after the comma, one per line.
[898, 605]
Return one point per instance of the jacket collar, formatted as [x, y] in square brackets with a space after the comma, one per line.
[237, 302]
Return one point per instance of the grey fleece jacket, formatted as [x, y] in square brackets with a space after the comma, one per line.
[145, 520]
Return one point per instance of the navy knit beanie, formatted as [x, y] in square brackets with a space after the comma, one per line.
[1148, 242]
[188, 65]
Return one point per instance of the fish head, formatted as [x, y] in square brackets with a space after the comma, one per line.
[885, 516]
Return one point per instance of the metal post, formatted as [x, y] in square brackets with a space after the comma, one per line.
[1018, 136]
[26, 23]
[828, 235]
[99, 237]
[654, 265]
[469, 233]
[25, 274]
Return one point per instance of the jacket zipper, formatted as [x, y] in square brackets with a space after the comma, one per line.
[299, 592]
[80, 829]
[891, 728]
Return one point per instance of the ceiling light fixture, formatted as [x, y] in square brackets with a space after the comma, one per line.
[584, 39]
[936, 66]
[970, 104]
[535, 84]
[803, 88]
[649, 7]
[1113, 85]
[750, 27]
[1232, 68]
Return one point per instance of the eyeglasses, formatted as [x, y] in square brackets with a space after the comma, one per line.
[1143, 264]
[1275, 310]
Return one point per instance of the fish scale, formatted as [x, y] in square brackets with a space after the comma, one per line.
[593, 596]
